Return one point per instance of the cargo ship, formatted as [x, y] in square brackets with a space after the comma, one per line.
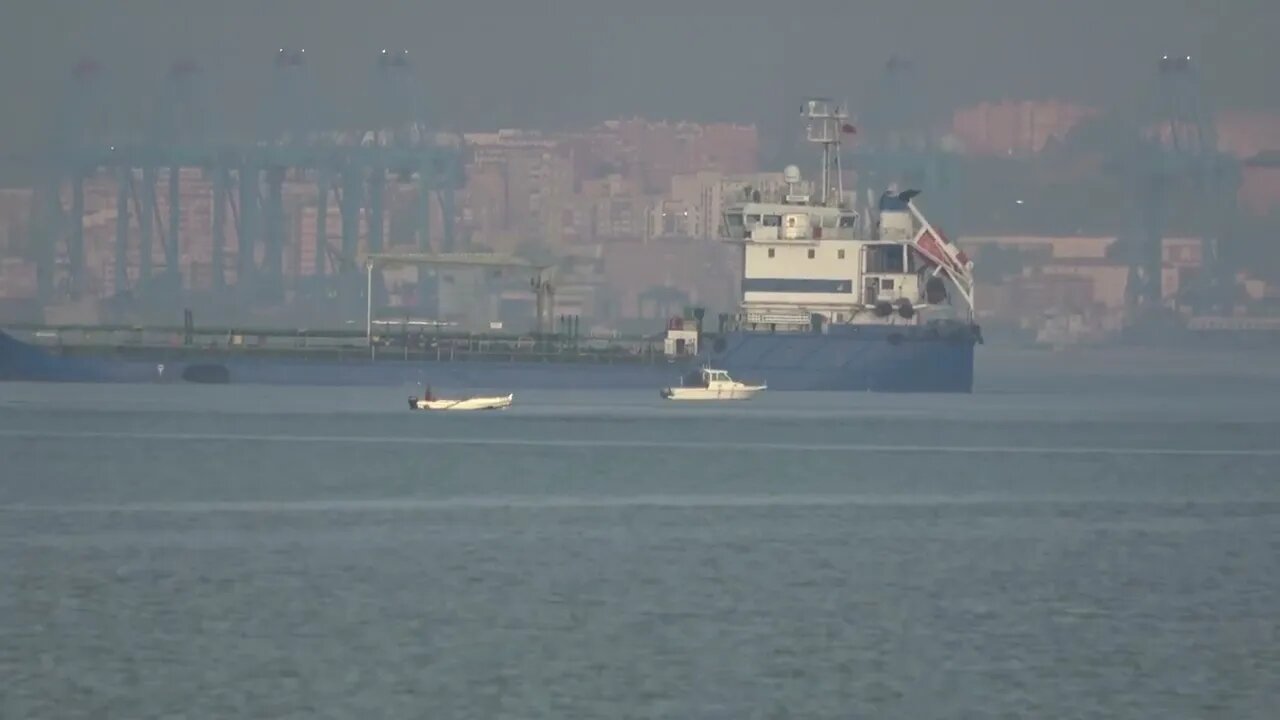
[831, 299]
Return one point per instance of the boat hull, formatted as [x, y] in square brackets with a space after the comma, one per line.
[869, 358]
[471, 403]
[697, 393]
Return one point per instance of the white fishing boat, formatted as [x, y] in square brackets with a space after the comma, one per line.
[710, 384]
[431, 402]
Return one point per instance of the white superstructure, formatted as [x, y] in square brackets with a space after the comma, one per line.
[808, 261]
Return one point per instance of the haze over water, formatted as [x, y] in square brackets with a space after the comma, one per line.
[1088, 535]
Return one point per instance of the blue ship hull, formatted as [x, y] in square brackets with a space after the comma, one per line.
[850, 358]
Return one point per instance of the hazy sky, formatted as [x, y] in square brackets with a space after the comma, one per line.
[571, 62]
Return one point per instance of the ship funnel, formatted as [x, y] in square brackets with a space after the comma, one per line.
[895, 220]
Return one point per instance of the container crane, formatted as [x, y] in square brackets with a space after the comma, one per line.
[1178, 151]
[80, 128]
[247, 178]
[898, 144]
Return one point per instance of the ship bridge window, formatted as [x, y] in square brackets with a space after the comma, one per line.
[753, 219]
[847, 221]
[734, 219]
[885, 259]
[773, 221]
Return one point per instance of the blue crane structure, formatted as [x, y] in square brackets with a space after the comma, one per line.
[179, 122]
[247, 180]
[81, 120]
[398, 124]
[1177, 154]
[898, 143]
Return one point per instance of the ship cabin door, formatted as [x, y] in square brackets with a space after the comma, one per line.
[870, 290]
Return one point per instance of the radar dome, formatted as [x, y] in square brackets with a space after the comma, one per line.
[791, 174]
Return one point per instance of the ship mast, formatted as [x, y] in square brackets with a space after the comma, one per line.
[826, 122]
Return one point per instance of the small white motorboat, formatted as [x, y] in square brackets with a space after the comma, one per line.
[710, 384]
[431, 402]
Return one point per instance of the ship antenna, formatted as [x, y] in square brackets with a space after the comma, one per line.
[826, 122]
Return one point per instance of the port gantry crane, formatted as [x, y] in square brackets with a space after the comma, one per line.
[898, 143]
[247, 180]
[1177, 153]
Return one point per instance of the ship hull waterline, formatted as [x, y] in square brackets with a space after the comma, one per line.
[873, 359]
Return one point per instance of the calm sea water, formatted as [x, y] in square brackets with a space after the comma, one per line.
[1091, 535]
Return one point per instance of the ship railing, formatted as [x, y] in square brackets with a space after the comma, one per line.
[339, 344]
[544, 350]
[775, 318]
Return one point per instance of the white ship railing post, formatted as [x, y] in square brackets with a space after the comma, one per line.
[368, 296]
